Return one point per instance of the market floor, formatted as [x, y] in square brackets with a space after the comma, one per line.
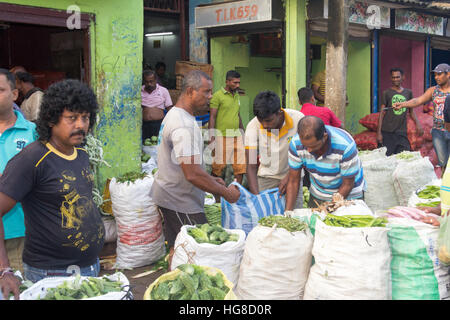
[138, 285]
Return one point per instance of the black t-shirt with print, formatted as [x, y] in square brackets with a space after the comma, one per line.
[63, 226]
[395, 120]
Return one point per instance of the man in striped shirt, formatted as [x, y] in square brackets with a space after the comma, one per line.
[330, 156]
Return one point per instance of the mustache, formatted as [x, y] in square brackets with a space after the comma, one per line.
[78, 132]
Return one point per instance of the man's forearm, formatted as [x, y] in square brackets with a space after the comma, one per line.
[292, 188]
[252, 178]
[346, 187]
[202, 180]
[4, 262]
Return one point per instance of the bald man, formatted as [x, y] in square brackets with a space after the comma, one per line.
[330, 156]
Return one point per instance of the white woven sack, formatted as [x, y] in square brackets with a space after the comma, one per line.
[372, 154]
[350, 264]
[275, 264]
[380, 193]
[409, 175]
[39, 289]
[226, 257]
[140, 240]
[414, 199]
[416, 273]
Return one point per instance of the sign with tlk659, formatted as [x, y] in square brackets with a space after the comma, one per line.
[235, 12]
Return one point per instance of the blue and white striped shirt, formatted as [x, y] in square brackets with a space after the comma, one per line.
[327, 171]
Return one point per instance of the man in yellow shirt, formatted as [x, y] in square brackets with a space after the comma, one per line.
[268, 136]
[227, 122]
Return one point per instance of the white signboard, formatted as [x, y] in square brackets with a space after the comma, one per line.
[234, 12]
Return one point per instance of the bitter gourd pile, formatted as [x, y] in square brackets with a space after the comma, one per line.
[88, 288]
[192, 283]
[205, 233]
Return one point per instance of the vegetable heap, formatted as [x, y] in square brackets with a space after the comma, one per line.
[153, 141]
[405, 155]
[428, 204]
[205, 233]
[430, 192]
[192, 283]
[213, 213]
[305, 197]
[354, 221]
[88, 288]
[131, 176]
[288, 223]
[145, 157]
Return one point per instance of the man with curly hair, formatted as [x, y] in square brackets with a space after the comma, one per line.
[52, 180]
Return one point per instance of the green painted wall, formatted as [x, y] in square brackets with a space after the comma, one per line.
[226, 55]
[358, 80]
[116, 67]
[358, 84]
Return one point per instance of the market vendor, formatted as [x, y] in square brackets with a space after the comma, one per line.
[155, 102]
[268, 134]
[181, 180]
[330, 156]
[51, 178]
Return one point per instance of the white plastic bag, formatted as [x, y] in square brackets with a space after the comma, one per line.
[152, 151]
[359, 207]
[149, 166]
[140, 240]
[39, 289]
[380, 193]
[275, 264]
[209, 198]
[417, 273]
[110, 229]
[350, 264]
[226, 257]
[415, 199]
[409, 175]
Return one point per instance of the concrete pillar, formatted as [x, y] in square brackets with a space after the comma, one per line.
[336, 60]
[295, 72]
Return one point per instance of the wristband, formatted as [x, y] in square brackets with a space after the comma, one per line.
[5, 271]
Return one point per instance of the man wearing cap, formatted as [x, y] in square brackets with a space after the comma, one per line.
[436, 94]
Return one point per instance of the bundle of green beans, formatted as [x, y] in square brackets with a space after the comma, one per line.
[354, 221]
[288, 223]
[430, 192]
[213, 214]
[88, 288]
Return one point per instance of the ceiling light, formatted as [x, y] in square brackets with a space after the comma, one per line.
[158, 34]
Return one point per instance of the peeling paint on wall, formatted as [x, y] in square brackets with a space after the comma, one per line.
[116, 62]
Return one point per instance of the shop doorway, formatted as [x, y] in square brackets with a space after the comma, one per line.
[39, 40]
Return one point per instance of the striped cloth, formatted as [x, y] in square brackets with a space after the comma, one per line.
[327, 171]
